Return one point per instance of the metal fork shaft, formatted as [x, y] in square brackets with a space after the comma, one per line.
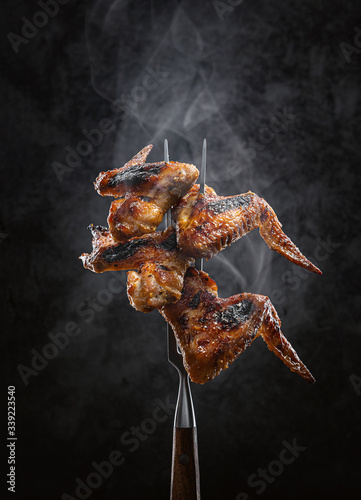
[184, 413]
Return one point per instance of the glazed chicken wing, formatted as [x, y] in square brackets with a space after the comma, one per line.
[106, 182]
[208, 223]
[160, 267]
[145, 191]
[155, 284]
[212, 332]
[134, 216]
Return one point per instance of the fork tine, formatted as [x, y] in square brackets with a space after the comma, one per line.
[166, 152]
[202, 187]
[202, 173]
[168, 219]
[174, 356]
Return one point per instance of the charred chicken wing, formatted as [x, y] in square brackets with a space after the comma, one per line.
[145, 191]
[208, 223]
[212, 332]
[158, 264]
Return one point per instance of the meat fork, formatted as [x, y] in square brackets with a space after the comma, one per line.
[185, 484]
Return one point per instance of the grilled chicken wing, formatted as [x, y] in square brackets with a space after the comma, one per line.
[134, 216]
[106, 182]
[208, 223]
[160, 267]
[155, 284]
[212, 332]
[145, 191]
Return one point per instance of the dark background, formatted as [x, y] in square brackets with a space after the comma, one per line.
[223, 72]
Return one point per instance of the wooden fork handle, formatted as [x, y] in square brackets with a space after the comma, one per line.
[185, 466]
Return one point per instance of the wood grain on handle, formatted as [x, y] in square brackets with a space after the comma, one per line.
[185, 466]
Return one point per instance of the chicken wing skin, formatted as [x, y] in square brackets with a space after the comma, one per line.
[134, 216]
[208, 223]
[212, 332]
[146, 192]
[158, 264]
[105, 184]
[156, 284]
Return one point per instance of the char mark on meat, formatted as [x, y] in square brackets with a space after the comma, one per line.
[170, 243]
[124, 250]
[236, 314]
[194, 303]
[230, 203]
[135, 174]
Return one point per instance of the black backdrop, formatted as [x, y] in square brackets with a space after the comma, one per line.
[275, 88]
